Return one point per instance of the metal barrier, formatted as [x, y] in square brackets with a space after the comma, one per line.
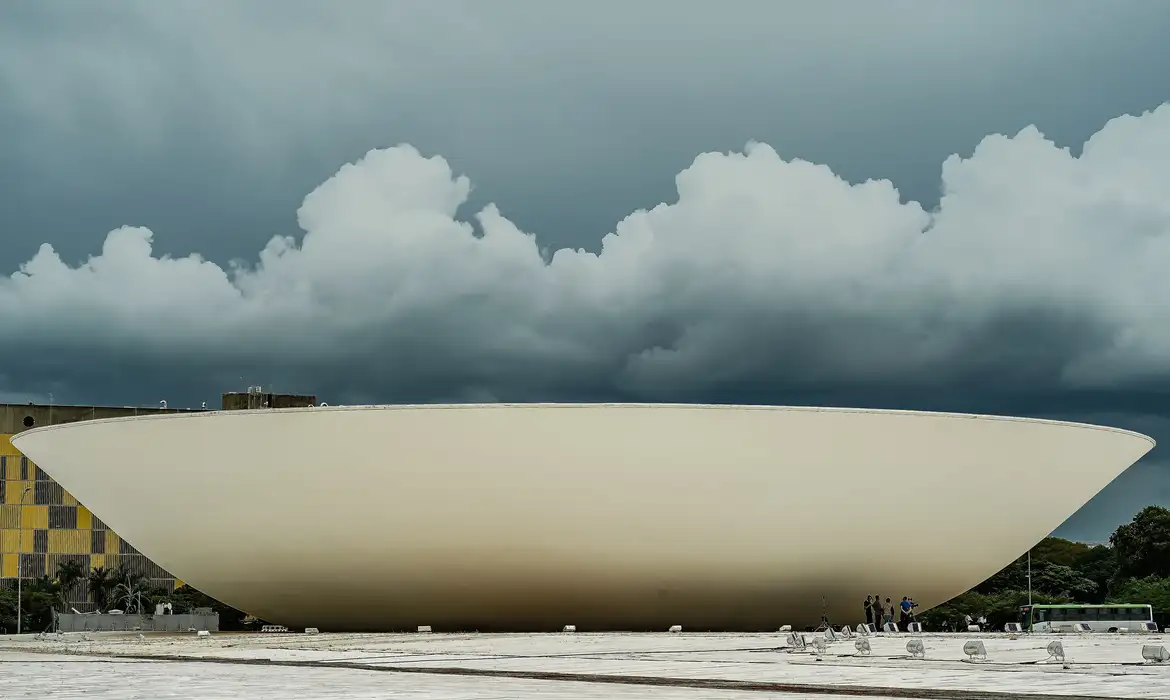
[75, 622]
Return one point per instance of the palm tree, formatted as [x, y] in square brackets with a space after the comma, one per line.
[99, 583]
[69, 574]
[132, 592]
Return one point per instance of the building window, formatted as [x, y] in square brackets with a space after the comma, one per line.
[48, 493]
[23, 468]
[32, 566]
[62, 517]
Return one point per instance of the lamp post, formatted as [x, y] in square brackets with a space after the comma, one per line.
[20, 562]
[1029, 578]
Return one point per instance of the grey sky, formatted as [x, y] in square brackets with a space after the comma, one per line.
[1034, 290]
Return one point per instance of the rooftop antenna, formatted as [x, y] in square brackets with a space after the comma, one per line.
[255, 397]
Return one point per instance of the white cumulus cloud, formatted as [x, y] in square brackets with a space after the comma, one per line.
[1037, 264]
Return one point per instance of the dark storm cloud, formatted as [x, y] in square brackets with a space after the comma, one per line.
[1038, 272]
[1030, 287]
[207, 121]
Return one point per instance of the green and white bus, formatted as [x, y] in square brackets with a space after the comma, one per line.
[1098, 618]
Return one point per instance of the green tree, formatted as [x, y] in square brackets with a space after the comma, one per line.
[1151, 590]
[132, 592]
[1099, 565]
[1061, 551]
[1062, 581]
[69, 574]
[8, 609]
[100, 584]
[1059, 568]
[1047, 578]
[40, 600]
[999, 608]
[1143, 546]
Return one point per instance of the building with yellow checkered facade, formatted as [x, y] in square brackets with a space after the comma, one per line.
[42, 525]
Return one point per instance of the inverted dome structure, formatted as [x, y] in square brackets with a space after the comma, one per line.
[607, 517]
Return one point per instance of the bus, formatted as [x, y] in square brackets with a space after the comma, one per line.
[1099, 618]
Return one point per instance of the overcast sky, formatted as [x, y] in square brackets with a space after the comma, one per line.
[960, 206]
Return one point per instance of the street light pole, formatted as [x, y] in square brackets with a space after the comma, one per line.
[20, 562]
[1029, 578]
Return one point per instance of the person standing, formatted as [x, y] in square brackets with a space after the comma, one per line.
[904, 619]
[868, 610]
[877, 611]
[888, 619]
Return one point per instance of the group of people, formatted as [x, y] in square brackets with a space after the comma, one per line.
[879, 613]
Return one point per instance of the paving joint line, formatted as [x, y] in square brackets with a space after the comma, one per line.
[654, 681]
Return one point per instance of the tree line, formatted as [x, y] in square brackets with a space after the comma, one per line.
[1134, 567]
